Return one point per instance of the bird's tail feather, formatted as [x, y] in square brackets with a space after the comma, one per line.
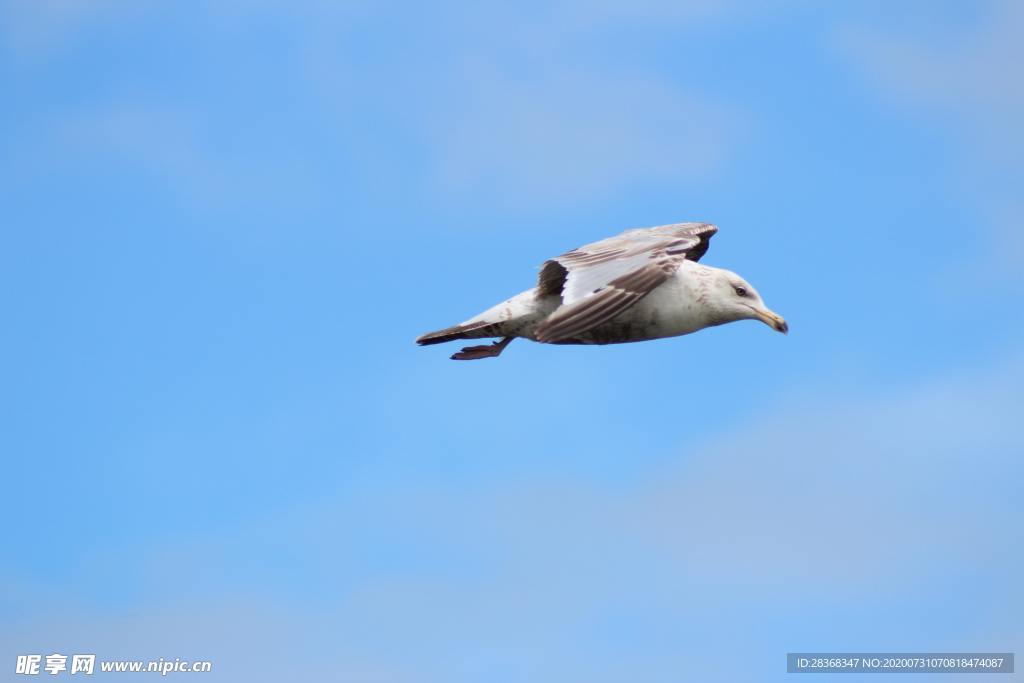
[467, 331]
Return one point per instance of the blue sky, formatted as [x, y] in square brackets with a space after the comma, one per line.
[225, 224]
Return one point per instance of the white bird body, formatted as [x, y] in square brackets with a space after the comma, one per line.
[671, 309]
[640, 285]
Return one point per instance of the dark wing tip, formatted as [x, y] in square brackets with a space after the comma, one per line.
[704, 233]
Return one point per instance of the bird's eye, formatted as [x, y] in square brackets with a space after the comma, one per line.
[740, 291]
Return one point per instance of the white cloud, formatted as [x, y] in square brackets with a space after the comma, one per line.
[968, 72]
[563, 134]
[176, 148]
[967, 78]
[521, 107]
[158, 140]
[35, 29]
[512, 107]
[856, 501]
[245, 640]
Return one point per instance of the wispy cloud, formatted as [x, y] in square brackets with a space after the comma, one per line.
[967, 77]
[176, 149]
[858, 497]
[559, 135]
[35, 29]
[513, 107]
[156, 140]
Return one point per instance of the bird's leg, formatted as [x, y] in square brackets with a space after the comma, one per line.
[492, 350]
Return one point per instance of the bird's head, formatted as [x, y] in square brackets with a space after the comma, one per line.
[736, 299]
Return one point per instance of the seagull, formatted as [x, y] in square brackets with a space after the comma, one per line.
[642, 284]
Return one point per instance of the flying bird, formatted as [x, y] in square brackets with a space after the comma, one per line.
[642, 284]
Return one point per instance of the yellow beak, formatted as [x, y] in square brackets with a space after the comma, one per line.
[772, 320]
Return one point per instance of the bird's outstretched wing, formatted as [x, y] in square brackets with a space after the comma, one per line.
[601, 280]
